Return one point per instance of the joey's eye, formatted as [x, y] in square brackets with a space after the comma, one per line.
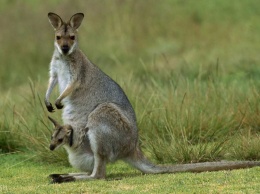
[72, 37]
[58, 37]
[60, 140]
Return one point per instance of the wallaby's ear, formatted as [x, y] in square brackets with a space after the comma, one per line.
[55, 20]
[56, 124]
[76, 20]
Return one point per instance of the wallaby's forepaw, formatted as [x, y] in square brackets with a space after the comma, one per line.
[61, 178]
[59, 105]
[50, 107]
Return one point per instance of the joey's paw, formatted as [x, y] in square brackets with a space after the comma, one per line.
[61, 178]
[58, 104]
[50, 107]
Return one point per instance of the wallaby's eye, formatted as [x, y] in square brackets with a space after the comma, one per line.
[58, 37]
[72, 37]
[60, 140]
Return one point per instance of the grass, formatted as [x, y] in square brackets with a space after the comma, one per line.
[190, 69]
[31, 177]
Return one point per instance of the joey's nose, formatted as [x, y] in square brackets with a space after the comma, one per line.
[65, 49]
[52, 147]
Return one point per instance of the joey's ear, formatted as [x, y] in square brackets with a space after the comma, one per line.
[76, 20]
[55, 20]
[56, 124]
[70, 134]
[69, 129]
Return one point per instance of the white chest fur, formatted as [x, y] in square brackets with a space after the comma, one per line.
[61, 68]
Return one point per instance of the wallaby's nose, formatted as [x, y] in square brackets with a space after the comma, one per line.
[65, 49]
[52, 147]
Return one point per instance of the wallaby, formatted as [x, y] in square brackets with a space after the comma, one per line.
[101, 123]
[109, 143]
[82, 85]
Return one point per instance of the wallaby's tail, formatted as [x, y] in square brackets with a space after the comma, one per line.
[213, 166]
[139, 161]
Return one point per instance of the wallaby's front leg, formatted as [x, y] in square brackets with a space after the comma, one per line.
[52, 82]
[68, 90]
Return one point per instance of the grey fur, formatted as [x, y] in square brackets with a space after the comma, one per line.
[102, 118]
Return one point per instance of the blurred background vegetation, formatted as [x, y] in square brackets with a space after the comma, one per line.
[190, 68]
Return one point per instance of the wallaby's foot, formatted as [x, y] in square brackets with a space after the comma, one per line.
[58, 104]
[61, 178]
[50, 107]
[53, 176]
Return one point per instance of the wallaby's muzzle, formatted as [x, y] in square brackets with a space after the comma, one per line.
[52, 147]
[65, 49]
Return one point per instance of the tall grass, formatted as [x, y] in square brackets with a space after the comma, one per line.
[211, 122]
[28, 128]
[190, 69]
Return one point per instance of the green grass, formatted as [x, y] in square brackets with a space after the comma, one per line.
[31, 177]
[190, 69]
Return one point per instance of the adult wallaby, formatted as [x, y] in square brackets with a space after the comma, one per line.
[101, 123]
[110, 141]
[82, 85]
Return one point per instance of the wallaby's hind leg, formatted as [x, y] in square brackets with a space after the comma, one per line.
[99, 172]
[110, 135]
[61, 178]
[71, 177]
